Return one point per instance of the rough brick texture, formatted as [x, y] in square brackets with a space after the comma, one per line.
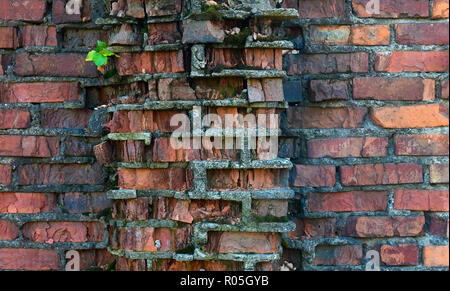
[86, 162]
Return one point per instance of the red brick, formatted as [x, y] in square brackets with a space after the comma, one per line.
[80, 146]
[154, 179]
[435, 256]
[422, 33]
[323, 90]
[32, 10]
[29, 259]
[83, 38]
[393, 9]
[173, 265]
[421, 200]
[391, 89]
[53, 232]
[150, 63]
[347, 201]
[164, 152]
[322, 9]
[168, 7]
[440, 9]
[327, 63]
[29, 146]
[160, 33]
[65, 118]
[384, 226]
[314, 176]
[142, 121]
[54, 174]
[5, 174]
[413, 116]
[329, 34]
[444, 89]
[350, 255]
[8, 231]
[381, 174]
[1, 64]
[421, 145]
[314, 228]
[370, 35]
[263, 58]
[347, 147]
[40, 92]
[400, 255]
[33, 35]
[412, 61]
[316, 117]
[54, 65]
[14, 118]
[8, 38]
[59, 14]
[243, 242]
[27, 203]
[439, 173]
[270, 207]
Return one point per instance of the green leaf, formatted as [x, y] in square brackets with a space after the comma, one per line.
[101, 46]
[90, 56]
[99, 59]
[107, 53]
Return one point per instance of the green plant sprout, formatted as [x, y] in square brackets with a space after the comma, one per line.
[100, 55]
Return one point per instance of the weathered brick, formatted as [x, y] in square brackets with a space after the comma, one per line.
[384, 226]
[255, 179]
[95, 259]
[439, 173]
[48, 174]
[5, 174]
[57, 65]
[8, 231]
[83, 38]
[40, 92]
[421, 200]
[322, 9]
[316, 117]
[163, 8]
[347, 201]
[435, 256]
[440, 9]
[413, 116]
[60, 15]
[242, 242]
[381, 174]
[370, 35]
[444, 89]
[314, 176]
[270, 207]
[150, 63]
[329, 34]
[163, 33]
[323, 90]
[55, 231]
[173, 265]
[347, 147]
[438, 226]
[327, 63]
[80, 146]
[25, 203]
[314, 228]
[29, 146]
[32, 10]
[421, 145]
[85, 202]
[154, 179]
[29, 259]
[125, 34]
[34, 35]
[422, 33]
[350, 255]
[8, 38]
[14, 118]
[400, 255]
[393, 9]
[412, 61]
[65, 118]
[390, 89]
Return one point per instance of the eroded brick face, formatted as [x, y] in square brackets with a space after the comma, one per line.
[363, 147]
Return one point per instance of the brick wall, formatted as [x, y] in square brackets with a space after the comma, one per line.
[364, 142]
[370, 134]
